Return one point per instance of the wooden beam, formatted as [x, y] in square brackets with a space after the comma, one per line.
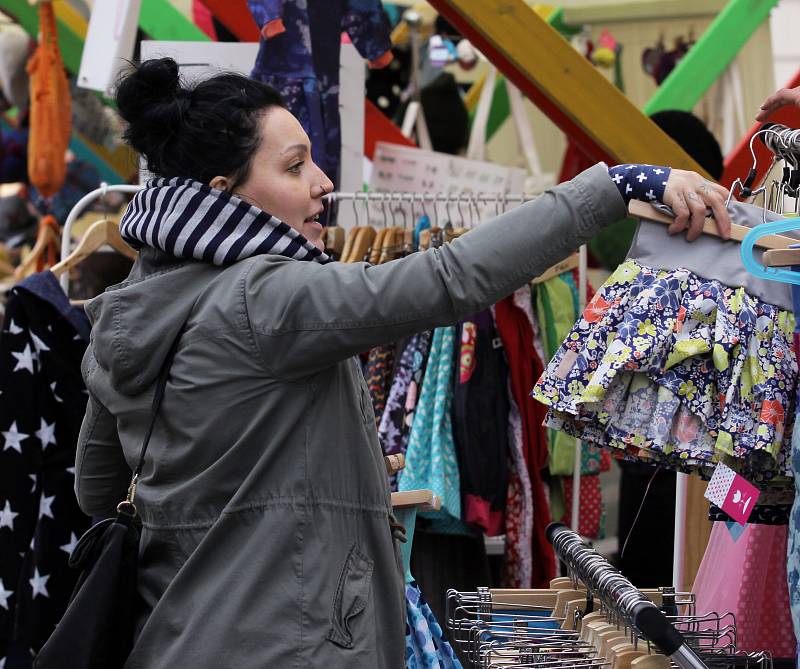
[501, 105]
[710, 55]
[561, 82]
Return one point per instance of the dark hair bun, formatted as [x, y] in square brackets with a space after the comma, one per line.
[151, 99]
[208, 129]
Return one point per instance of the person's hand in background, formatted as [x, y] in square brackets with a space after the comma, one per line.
[781, 98]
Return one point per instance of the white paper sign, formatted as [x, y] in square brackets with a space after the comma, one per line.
[110, 41]
[397, 168]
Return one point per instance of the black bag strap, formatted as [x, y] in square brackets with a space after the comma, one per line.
[127, 504]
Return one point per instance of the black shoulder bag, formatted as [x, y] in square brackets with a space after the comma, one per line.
[97, 628]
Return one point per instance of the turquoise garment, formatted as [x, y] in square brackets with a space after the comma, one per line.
[431, 456]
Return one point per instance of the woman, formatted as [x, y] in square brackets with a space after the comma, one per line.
[266, 514]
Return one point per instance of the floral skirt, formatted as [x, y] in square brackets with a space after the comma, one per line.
[669, 367]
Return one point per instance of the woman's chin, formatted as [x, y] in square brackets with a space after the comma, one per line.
[312, 231]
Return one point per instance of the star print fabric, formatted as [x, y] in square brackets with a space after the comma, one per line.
[640, 182]
[42, 402]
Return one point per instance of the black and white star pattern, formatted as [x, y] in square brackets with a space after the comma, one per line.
[640, 182]
[42, 342]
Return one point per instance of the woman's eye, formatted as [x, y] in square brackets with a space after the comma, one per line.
[296, 167]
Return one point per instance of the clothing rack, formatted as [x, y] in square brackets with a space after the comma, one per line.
[471, 199]
[77, 210]
[618, 592]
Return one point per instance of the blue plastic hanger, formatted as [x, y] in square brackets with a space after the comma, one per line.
[756, 268]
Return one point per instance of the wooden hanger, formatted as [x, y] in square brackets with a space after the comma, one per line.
[642, 210]
[335, 241]
[100, 234]
[48, 242]
[347, 251]
[566, 265]
[781, 258]
[389, 245]
[377, 245]
[422, 500]
[362, 244]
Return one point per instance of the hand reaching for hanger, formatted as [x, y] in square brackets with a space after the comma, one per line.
[781, 98]
[688, 195]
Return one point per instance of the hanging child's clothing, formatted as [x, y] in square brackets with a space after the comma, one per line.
[431, 461]
[44, 400]
[378, 374]
[680, 361]
[398, 415]
[525, 366]
[743, 573]
[480, 423]
[517, 565]
[426, 645]
[793, 550]
[299, 56]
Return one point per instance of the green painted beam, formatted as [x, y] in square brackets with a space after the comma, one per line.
[711, 54]
[161, 20]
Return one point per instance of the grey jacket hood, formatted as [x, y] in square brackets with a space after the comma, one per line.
[135, 322]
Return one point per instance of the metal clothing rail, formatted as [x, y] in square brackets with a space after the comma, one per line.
[620, 594]
[77, 210]
[499, 199]
[413, 197]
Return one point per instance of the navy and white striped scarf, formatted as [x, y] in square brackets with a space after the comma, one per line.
[188, 219]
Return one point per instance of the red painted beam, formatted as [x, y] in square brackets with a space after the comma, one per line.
[236, 17]
[378, 128]
[740, 160]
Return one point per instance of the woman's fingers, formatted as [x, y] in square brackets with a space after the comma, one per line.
[690, 196]
[698, 215]
[682, 214]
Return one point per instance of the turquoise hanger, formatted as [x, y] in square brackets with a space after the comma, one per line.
[756, 268]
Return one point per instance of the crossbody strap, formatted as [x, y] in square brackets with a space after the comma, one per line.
[128, 505]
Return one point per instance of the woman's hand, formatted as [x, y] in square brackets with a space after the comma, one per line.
[688, 194]
[784, 97]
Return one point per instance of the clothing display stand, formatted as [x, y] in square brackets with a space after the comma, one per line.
[77, 210]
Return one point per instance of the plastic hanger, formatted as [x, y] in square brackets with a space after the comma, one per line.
[100, 234]
[774, 260]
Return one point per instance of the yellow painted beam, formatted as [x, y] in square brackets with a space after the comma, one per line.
[564, 84]
[70, 17]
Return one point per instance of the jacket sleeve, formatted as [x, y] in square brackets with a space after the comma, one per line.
[102, 474]
[307, 316]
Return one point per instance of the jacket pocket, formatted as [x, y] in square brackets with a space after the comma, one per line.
[352, 595]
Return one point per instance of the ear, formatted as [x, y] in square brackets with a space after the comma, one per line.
[220, 183]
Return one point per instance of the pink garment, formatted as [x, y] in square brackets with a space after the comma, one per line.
[747, 577]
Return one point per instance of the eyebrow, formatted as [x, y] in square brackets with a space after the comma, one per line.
[302, 148]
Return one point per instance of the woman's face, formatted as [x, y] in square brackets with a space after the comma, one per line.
[283, 180]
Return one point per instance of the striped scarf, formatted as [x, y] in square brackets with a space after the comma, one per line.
[188, 219]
